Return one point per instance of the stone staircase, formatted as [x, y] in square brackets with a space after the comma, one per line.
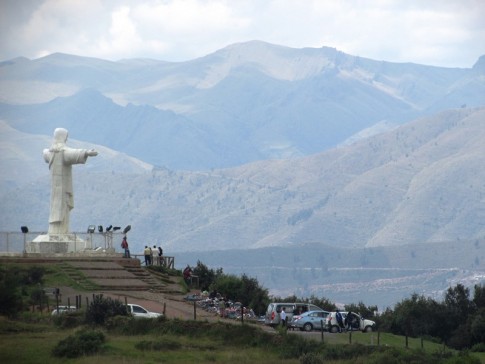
[108, 274]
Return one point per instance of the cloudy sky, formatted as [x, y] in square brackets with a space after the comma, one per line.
[449, 33]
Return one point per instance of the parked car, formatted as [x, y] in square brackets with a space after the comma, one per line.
[272, 317]
[139, 311]
[63, 309]
[311, 320]
[358, 323]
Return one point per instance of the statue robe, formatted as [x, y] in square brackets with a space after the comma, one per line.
[62, 199]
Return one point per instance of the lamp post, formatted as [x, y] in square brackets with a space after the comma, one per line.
[91, 229]
[25, 230]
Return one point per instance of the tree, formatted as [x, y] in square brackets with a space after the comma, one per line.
[363, 310]
[10, 296]
[457, 301]
[206, 276]
[100, 309]
[418, 316]
[245, 290]
[479, 296]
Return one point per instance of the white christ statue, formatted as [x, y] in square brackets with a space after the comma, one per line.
[61, 158]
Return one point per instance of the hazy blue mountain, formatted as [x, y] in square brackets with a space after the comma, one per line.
[263, 148]
[249, 101]
[420, 182]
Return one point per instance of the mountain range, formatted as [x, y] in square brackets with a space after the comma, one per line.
[247, 102]
[258, 147]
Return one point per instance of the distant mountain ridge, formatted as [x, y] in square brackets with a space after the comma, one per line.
[337, 175]
[247, 102]
[421, 182]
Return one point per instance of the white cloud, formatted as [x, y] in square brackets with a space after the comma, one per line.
[438, 32]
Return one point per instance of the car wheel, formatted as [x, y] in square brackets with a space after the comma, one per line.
[308, 327]
[334, 329]
[368, 329]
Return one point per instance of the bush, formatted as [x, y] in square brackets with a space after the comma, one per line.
[85, 342]
[68, 320]
[127, 325]
[163, 345]
[311, 358]
[478, 348]
[100, 309]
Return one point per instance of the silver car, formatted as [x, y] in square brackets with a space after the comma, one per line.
[308, 321]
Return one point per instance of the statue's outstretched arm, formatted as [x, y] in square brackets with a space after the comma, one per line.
[92, 153]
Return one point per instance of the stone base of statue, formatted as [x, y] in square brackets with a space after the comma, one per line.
[65, 244]
[55, 244]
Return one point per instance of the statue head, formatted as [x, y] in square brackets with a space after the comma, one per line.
[60, 135]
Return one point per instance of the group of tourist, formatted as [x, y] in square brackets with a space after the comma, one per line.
[149, 254]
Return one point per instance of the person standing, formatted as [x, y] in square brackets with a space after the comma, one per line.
[125, 246]
[147, 254]
[340, 321]
[283, 317]
[152, 254]
[160, 256]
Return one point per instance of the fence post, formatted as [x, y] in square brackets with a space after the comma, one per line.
[164, 307]
[350, 337]
[321, 323]
[195, 311]
[378, 338]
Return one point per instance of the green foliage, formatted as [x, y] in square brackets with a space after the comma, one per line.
[84, 342]
[33, 275]
[128, 325]
[477, 326]
[243, 289]
[479, 296]
[161, 345]
[367, 312]
[165, 270]
[10, 293]
[478, 348]
[294, 346]
[69, 320]
[457, 301]
[16, 282]
[419, 316]
[38, 297]
[311, 358]
[458, 320]
[100, 309]
[206, 276]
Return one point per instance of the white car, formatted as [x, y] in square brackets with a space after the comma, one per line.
[139, 311]
[63, 309]
[357, 323]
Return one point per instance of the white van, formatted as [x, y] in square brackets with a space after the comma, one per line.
[272, 317]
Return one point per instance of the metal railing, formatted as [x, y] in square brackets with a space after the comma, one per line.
[17, 242]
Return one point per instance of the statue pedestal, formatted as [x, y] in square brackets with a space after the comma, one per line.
[56, 244]
[66, 244]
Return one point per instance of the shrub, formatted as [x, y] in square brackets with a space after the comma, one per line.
[127, 325]
[165, 344]
[478, 348]
[311, 358]
[68, 320]
[100, 309]
[85, 342]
